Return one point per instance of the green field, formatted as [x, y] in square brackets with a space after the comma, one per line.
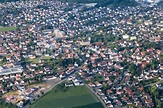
[12, 28]
[1, 63]
[46, 57]
[94, 105]
[35, 60]
[74, 97]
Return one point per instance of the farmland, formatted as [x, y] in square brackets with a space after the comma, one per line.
[73, 97]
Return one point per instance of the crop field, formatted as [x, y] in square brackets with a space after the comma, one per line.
[74, 97]
[94, 105]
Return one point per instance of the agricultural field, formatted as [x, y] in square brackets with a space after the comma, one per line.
[94, 105]
[12, 28]
[73, 97]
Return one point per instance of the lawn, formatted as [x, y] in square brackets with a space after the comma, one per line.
[73, 97]
[1, 63]
[34, 60]
[46, 57]
[12, 28]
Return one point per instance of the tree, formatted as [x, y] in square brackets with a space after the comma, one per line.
[133, 69]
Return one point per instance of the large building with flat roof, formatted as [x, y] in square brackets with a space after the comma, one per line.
[9, 71]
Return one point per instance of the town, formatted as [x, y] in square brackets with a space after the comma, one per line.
[115, 52]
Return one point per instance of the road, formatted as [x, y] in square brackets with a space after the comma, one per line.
[96, 95]
[152, 84]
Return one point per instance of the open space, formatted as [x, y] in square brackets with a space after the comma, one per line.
[12, 28]
[1, 63]
[13, 94]
[94, 105]
[73, 97]
[46, 57]
[36, 60]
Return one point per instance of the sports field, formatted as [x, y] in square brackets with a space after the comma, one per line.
[74, 97]
[12, 28]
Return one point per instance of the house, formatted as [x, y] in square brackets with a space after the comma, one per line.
[98, 84]
[70, 71]
[91, 85]
[62, 75]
